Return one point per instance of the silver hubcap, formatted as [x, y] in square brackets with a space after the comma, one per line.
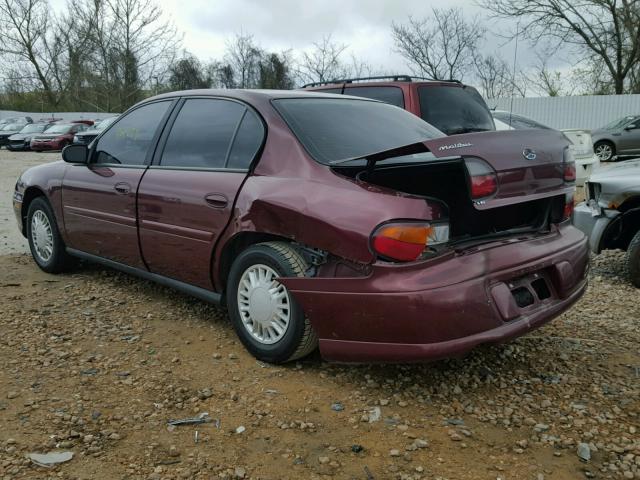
[42, 235]
[264, 304]
[604, 152]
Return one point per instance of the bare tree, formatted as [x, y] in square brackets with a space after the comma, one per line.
[27, 44]
[144, 45]
[244, 56]
[606, 30]
[322, 63]
[494, 76]
[441, 46]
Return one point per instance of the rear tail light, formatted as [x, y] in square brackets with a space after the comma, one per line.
[483, 179]
[568, 166]
[406, 242]
[568, 207]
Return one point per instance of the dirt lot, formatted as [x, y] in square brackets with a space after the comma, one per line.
[96, 363]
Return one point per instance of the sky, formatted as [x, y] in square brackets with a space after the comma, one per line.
[363, 25]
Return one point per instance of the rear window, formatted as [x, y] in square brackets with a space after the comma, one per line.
[518, 122]
[455, 109]
[334, 130]
[390, 95]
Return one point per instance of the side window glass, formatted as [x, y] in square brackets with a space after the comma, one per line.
[129, 140]
[247, 142]
[337, 91]
[202, 133]
[390, 95]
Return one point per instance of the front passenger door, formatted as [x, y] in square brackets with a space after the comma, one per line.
[99, 198]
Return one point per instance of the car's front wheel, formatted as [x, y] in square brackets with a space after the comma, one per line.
[45, 242]
[604, 151]
[633, 260]
[266, 317]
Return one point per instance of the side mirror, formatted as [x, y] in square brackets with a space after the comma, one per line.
[75, 154]
[631, 127]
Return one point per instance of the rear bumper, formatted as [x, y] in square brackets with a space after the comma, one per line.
[444, 307]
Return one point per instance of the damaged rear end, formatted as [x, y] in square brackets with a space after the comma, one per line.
[492, 185]
[500, 259]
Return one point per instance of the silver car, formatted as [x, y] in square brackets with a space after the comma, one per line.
[618, 138]
[610, 216]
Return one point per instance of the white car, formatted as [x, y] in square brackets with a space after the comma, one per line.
[582, 146]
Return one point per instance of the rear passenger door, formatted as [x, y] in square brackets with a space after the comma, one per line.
[186, 197]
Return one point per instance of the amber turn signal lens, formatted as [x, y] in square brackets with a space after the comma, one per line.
[402, 242]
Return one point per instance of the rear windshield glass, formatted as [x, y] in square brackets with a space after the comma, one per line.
[455, 109]
[334, 130]
[518, 122]
[33, 127]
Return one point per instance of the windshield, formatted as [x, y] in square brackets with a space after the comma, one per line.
[104, 124]
[64, 128]
[455, 109]
[33, 127]
[334, 130]
[13, 126]
[616, 124]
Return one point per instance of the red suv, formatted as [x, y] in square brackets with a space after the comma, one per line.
[321, 219]
[450, 106]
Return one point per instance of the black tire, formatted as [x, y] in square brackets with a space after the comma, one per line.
[59, 260]
[603, 144]
[298, 339]
[633, 260]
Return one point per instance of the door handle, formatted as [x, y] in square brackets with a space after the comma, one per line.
[216, 200]
[122, 188]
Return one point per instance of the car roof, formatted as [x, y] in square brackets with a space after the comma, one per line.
[252, 96]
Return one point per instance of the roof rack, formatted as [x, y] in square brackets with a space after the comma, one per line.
[393, 78]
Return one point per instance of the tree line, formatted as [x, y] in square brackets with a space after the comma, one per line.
[106, 55]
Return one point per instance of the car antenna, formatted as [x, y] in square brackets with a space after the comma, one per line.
[513, 76]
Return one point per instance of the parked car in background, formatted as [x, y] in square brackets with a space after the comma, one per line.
[88, 123]
[56, 137]
[321, 217]
[22, 139]
[610, 216]
[450, 106]
[87, 136]
[25, 120]
[9, 129]
[581, 145]
[617, 139]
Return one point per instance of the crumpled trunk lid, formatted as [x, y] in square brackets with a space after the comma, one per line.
[529, 163]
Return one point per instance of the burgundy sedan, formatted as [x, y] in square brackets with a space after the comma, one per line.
[57, 136]
[321, 219]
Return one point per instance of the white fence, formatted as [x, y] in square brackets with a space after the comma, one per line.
[68, 116]
[589, 111]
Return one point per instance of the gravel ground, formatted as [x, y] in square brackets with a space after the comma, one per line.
[96, 362]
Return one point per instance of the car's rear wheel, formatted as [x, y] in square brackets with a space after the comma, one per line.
[45, 242]
[633, 260]
[266, 317]
[604, 151]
